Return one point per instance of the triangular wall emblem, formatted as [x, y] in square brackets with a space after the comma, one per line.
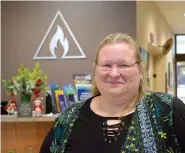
[59, 37]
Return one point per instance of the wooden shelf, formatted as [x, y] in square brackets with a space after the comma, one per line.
[154, 50]
[11, 118]
[24, 134]
[18, 136]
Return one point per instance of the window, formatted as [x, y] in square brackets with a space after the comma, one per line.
[180, 44]
[181, 80]
[180, 66]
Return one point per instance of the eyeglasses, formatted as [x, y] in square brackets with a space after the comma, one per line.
[120, 67]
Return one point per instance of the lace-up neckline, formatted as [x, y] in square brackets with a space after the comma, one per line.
[113, 127]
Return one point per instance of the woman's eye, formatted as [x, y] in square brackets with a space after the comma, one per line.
[123, 65]
[107, 65]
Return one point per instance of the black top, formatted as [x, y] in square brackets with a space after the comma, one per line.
[91, 133]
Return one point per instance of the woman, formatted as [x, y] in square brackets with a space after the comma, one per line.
[121, 117]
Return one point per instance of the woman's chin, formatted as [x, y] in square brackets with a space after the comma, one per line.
[115, 92]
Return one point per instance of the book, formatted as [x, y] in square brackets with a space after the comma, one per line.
[54, 87]
[63, 103]
[57, 93]
[69, 92]
[84, 91]
[69, 89]
[81, 79]
[70, 99]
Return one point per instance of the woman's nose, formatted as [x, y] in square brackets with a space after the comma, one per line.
[114, 71]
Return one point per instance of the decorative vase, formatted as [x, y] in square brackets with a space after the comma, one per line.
[25, 106]
[25, 98]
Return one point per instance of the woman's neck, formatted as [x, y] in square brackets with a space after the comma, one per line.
[114, 106]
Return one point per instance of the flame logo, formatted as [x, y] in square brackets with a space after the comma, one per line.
[59, 37]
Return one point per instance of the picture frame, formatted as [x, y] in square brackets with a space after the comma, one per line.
[181, 75]
[144, 55]
[166, 83]
[169, 75]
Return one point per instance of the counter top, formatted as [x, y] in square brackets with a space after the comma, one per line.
[12, 118]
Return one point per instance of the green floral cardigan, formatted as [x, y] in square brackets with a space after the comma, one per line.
[150, 130]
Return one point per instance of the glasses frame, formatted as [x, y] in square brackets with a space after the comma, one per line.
[102, 66]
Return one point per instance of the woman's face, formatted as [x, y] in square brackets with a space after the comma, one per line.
[117, 71]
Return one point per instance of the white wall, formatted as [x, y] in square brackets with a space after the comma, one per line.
[150, 20]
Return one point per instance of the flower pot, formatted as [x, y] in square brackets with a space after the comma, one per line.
[25, 106]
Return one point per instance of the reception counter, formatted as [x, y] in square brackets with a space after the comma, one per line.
[25, 134]
[11, 118]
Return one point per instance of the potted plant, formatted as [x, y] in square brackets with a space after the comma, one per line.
[27, 84]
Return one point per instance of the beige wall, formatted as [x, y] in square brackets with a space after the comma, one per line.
[149, 19]
[24, 25]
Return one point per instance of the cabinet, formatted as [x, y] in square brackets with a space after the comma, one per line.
[24, 135]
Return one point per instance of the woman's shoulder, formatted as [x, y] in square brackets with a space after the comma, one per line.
[161, 97]
[71, 111]
[166, 99]
[158, 94]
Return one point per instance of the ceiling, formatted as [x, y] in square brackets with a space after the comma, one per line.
[174, 12]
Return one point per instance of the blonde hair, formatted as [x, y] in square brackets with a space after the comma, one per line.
[117, 38]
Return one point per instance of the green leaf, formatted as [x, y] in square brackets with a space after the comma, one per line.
[26, 70]
[14, 91]
[14, 78]
[21, 66]
[39, 72]
[19, 70]
[45, 76]
[37, 65]
[25, 81]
